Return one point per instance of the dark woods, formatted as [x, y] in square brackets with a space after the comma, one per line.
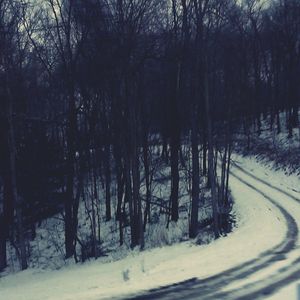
[106, 93]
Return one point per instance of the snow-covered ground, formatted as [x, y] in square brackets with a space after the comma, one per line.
[290, 292]
[261, 226]
[290, 185]
[278, 149]
[47, 248]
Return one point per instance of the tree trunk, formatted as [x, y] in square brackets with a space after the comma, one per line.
[3, 230]
[174, 179]
[211, 164]
[148, 180]
[175, 147]
[6, 218]
[195, 177]
[70, 233]
[204, 158]
[107, 182]
[15, 197]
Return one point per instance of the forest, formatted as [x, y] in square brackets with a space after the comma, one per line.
[105, 102]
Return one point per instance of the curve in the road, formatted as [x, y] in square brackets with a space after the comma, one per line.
[207, 288]
[291, 241]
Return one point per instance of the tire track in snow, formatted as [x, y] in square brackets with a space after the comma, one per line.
[266, 182]
[283, 276]
[259, 290]
[207, 288]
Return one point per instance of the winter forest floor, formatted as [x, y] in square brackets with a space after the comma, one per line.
[257, 258]
[270, 147]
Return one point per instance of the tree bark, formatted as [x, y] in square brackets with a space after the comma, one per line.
[174, 178]
[211, 164]
[3, 230]
[13, 173]
[70, 230]
[107, 182]
[195, 177]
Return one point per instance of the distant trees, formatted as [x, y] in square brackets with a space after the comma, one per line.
[120, 90]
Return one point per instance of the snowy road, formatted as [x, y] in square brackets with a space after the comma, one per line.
[257, 278]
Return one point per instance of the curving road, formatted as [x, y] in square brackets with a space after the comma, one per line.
[257, 278]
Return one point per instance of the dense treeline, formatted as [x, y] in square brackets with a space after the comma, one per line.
[106, 92]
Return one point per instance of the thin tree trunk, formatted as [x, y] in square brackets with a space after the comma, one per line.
[107, 182]
[94, 200]
[211, 165]
[6, 218]
[69, 203]
[3, 230]
[175, 147]
[195, 177]
[174, 179]
[16, 199]
[147, 178]
[137, 204]
[204, 158]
